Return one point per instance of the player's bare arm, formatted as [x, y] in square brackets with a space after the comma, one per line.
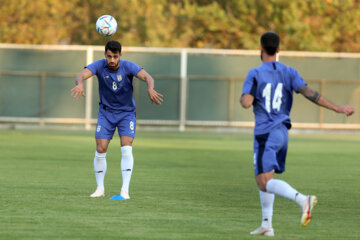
[78, 90]
[153, 95]
[246, 100]
[317, 98]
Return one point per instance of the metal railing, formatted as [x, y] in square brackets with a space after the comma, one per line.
[184, 79]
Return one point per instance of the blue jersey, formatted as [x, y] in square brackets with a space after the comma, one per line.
[115, 87]
[272, 85]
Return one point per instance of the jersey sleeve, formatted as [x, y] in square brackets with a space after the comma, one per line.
[94, 67]
[296, 80]
[250, 84]
[132, 68]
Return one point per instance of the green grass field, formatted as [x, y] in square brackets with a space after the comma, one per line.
[184, 186]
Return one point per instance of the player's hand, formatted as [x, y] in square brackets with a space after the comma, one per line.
[347, 110]
[78, 91]
[154, 96]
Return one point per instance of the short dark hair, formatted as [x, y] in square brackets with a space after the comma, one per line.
[113, 46]
[270, 42]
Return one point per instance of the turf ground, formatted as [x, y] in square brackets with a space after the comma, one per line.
[184, 186]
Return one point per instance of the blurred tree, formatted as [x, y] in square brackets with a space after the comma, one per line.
[312, 25]
[39, 22]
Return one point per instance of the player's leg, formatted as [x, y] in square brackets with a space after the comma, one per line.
[267, 183]
[267, 202]
[279, 187]
[126, 129]
[127, 164]
[100, 166]
[104, 132]
[283, 189]
[270, 158]
[266, 199]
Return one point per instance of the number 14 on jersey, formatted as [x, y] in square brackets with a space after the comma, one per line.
[276, 101]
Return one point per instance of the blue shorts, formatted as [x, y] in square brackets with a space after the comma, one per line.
[270, 150]
[108, 121]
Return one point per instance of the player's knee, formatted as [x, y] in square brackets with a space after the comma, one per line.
[262, 184]
[262, 187]
[262, 179]
[126, 141]
[101, 149]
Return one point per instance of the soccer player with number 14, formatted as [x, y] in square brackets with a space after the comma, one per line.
[269, 88]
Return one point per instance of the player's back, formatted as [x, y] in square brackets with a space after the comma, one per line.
[272, 85]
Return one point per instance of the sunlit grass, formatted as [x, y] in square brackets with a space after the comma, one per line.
[184, 186]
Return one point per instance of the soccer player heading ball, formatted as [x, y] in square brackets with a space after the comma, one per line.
[269, 88]
[116, 110]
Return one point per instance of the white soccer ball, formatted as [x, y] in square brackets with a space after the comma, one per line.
[106, 25]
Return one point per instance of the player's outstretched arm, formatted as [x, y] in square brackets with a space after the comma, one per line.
[154, 96]
[316, 98]
[78, 90]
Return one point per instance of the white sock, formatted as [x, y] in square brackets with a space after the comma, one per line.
[267, 203]
[283, 189]
[127, 163]
[100, 169]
